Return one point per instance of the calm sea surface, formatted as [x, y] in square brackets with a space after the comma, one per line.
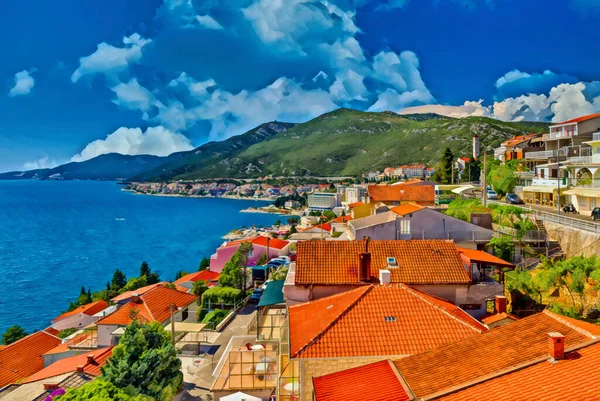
[57, 236]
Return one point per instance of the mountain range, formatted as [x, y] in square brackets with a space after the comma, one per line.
[344, 142]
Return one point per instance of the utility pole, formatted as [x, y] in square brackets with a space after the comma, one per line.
[172, 307]
[452, 182]
[558, 174]
[484, 192]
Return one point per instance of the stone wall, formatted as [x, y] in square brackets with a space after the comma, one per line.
[574, 242]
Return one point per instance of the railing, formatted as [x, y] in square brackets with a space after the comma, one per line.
[579, 160]
[543, 154]
[529, 235]
[561, 133]
[584, 182]
[473, 235]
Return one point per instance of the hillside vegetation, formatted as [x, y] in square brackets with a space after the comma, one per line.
[343, 142]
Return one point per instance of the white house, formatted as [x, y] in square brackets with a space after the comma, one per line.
[80, 316]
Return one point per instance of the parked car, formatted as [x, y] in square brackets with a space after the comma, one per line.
[491, 194]
[283, 258]
[275, 263]
[256, 294]
[596, 213]
[514, 199]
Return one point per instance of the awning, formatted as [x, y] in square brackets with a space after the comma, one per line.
[482, 257]
[239, 396]
[588, 192]
[273, 294]
[185, 327]
[460, 190]
[540, 188]
[118, 332]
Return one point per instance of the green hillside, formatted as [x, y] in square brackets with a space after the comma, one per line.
[346, 142]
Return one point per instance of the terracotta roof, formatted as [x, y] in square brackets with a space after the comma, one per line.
[351, 205]
[51, 330]
[322, 226]
[204, 275]
[237, 242]
[576, 377]
[89, 309]
[341, 219]
[491, 353]
[578, 119]
[380, 380]
[518, 139]
[376, 321]
[475, 256]
[497, 317]
[402, 192]
[465, 159]
[419, 262]
[24, 357]
[273, 242]
[405, 209]
[128, 294]
[71, 363]
[154, 305]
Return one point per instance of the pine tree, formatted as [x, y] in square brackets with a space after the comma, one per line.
[118, 280]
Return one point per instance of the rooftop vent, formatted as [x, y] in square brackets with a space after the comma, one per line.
[390, 318]
[391, 262]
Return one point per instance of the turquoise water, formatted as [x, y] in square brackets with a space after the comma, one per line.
[56, 236]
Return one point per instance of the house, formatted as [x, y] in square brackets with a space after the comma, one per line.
[429, 172]
[436, 267]
[292, 204]
[155, 305]
[356, 193]
[543, 356]
[516, 147]
[261, 245]
[80, 316]
[23, 358]
[318, 231]
[369, 323]
[416, 191]
[322, 201]
[412, 221]
[209, 277]
[127, 295]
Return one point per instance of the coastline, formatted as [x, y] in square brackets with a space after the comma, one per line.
[200, 196]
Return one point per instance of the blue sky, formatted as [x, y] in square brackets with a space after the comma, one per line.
[147, 76]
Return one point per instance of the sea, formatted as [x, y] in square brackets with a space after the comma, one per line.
[56, 236]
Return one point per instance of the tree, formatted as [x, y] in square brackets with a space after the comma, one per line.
[179, 274]
[244, 250]
[199, 288]
[503, 179]
[472, 170]
[119, 280]
[443, 170]
[329, 215]
[293, 220]
[503, 247]
[151, 278]
[135, 282]
[12, 334]
[277, 223]
[262, 260]
[204, 264]
[85, 297]
[100, 390]
[145, 362]
[230, 275]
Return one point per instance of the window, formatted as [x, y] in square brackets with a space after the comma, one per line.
[392, 262]
[390, 318]
[404, 227]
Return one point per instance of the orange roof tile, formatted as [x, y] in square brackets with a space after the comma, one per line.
[322, 226]
[576, 377]
[489, 354]
[51, 330]
[405, 209]
[465, 159]
[497, 317]
[273, 242]
[341, 219]
[380, 380]
[351, 205]
[475, 256]
[89, 309]
[578, 119]
[419, 262]
[237, 242]
[71, 363]
[153, 305]
[357, 323]
[402, 192]
[128, 294]
[204, 275]
[24, 357]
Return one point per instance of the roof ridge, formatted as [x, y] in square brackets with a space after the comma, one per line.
[567, 323]
[365, 290]
[419, 295]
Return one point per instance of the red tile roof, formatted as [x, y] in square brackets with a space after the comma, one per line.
[273, 242]
[351, 205]
[153, 305]
[405, 209]
[419, 262]
[341, 219]
[89, 309]
[357, 323]
[465, 159]
[70, 364]
[497, 317]
[237, 242]
[378, 381]
[128, 294]
[490, 354]
[475, 256]
[24, 357]
[578, 119]
[204, 275]
[404, 192]
[322, 226]
[518, 139]
[576, 377]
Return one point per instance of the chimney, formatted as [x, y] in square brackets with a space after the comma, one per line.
[364, 266]
[556, 345]
[80, 368]
[90, 358]
[500, 303]
[50, 386]
[135, 297]
[385, 277]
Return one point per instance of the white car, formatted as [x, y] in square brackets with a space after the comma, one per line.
[491, 194]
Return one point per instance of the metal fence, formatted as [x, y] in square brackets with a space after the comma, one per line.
[472, 235]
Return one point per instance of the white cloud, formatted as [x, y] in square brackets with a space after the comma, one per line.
[467, 109]
[208, 22]
[348, 86]
[157, 141]
[513, 76]
[111, 60]
[390, 99]
[133, 96]
[198, 89]
[42, 162]
[24, 83]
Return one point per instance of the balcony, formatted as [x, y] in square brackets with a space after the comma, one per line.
[541, 155]
[561, 133]
[596, 136]
[579, 160]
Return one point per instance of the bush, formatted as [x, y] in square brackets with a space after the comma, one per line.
[67, 332]
[215, 317]
[13, 334]
[217, 295]
[462, 208]
[100, 390]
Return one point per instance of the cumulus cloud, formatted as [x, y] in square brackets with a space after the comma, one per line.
[111, 60]
[515, 83]
[24, 83]
[208, 22]
[133, 96]
[469, 108]
[157, 141]
[41, 163]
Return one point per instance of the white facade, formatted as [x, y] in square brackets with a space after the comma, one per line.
[322, 201]
[356, 194]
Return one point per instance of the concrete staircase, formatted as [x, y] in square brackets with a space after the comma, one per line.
[553, 248]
